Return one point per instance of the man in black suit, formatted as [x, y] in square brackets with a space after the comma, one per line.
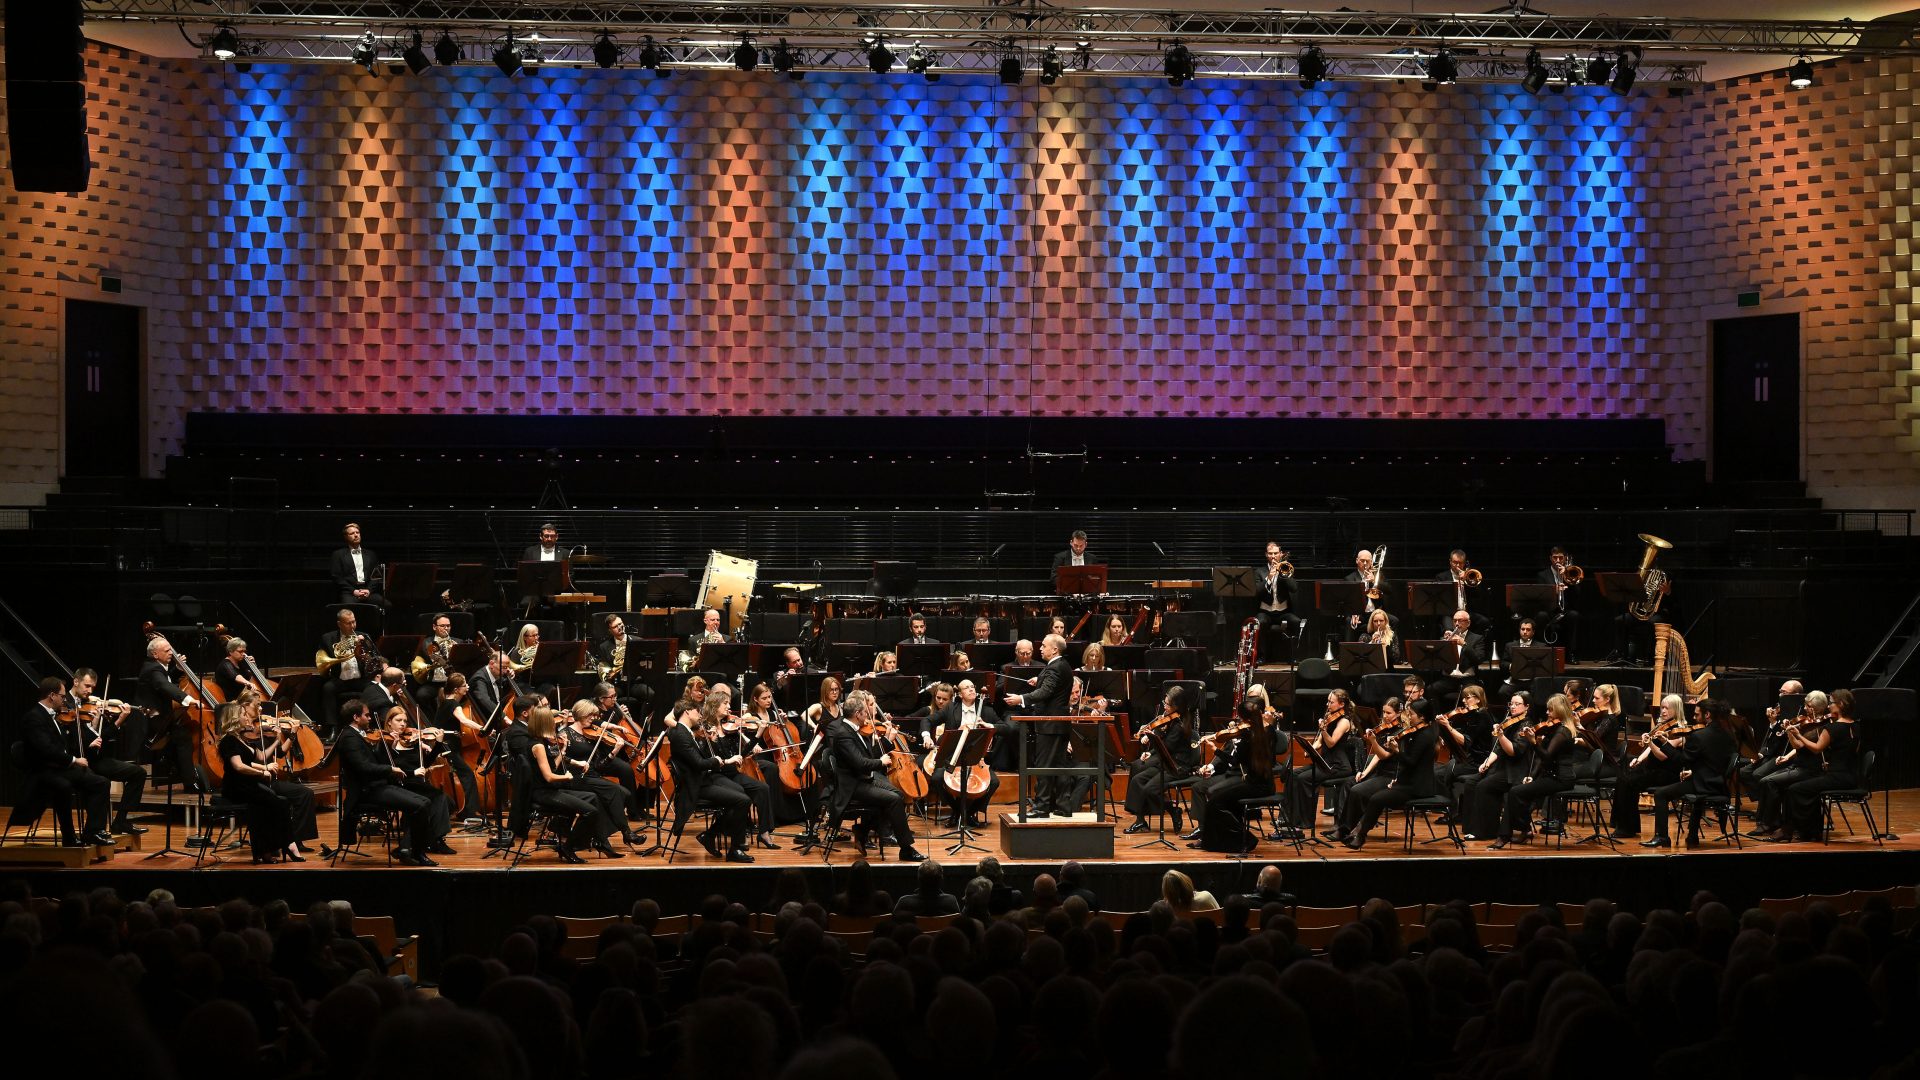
[1075, 555]
[1526, 637]
[698, 775]
[1052, 742]
[635, 694]
[860, 772]
[1367, 574]
[155, 689]
[917, 632]
[63, 773]
[1472, 646]
[386, 693]
[109, 752]
[548, 549]
[489, 686]
[1456, 575]
[368, 777]
[1275, 606]
[963, 707]
[1563, 618]
[355, 570]
[351, 677]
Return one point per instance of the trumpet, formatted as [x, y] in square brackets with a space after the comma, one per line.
[1285, 569]
[1572, 575]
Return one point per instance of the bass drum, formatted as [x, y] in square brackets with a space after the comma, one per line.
[727, 577]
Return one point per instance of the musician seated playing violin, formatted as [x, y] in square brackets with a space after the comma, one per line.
[1398, 769]
[1242, 768]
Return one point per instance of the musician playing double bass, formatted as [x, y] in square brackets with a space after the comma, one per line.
[156, 690]
[109, 752]
[230, 674]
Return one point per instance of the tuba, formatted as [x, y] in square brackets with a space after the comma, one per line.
[1652, 581]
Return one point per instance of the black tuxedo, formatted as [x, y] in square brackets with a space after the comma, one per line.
[1566, 615]
[1054, 742]
[1709, 753]
[485, 694]
[1473, 651]
[379, 700]
[367, 780]
[340, 568]
[112, 759]
[860, 773]
[48, 749]
[155, 689]
[335, 690]
[531, 553]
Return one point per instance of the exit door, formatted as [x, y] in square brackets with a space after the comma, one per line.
[1756, 398]
[103, 435]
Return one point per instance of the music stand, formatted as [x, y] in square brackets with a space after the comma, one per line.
[1433, 655]
[1190, 662]
[897, 695]
[1524, 600]
[1431, 598]
[1235, 582]
[850, 656]
[1359, 658]
[1125, 657]
[989, 654]
[670, 591]
[467, 656]
[472, 582]
[1525, 662]
[541, 579]
[1619, 586]
[556, 661]
[1080, 581]
[1109, 684]
[1188, 626]
[728, 658]
[410, 585]
[951, 753]
[927, 660]
[289, 690]
[397, 645]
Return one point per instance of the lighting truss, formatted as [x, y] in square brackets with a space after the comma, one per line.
[1357, 46]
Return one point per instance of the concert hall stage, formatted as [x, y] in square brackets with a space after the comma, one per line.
[468, 901]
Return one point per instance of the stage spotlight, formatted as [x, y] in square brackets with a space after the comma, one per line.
[1178, 65]
[365, 52]
[1050, 68]
[1536, 77]
[507, 58]
[879, 58]
[1312, 67]
[745, 56]
[652, 56]
[1083, 54]
[1800, 75]
[1442, 69]
[530, 50]
[605, 52]
[446, 51]
[225, 43]
[415, 55]
[922, 63]
[1010, 70]
[1624, 72]
[1599, 70]
[785, 61]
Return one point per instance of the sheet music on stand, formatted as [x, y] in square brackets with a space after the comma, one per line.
[1080, 580]
[1361, 658]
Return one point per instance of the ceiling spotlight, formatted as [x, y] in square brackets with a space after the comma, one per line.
[1800, 75]
[225, 43]
[446, 51]
[745, 56]
[365, 52]
[879, 57]
[1599, 70]
[1537, 74]
[1312, 67]
[1442, 69]
[786, 61]
[1178, 65]
[922, 62]
[530, 50]
[605, 52]
[506, 57]
[1050, 67]
[652, 56]
[1625, 72]
[415, 55]
[1083, 54]
[1010, 70]
[1677, 83]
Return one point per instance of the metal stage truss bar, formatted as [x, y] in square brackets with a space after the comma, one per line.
[1110, 41]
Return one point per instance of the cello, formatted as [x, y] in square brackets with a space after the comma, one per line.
[781, 739]
[968, 782]
[903, 770]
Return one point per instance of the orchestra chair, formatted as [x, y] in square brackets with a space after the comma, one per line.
[543, 830]
[1425, 808]
[234, 827]
[34, 802]
[463, 623]
[1590, 794]
[1376, 688]
[1633, 700]
[701, 809]
[1721, 806]
[369, 821]
[1841, 798]
[368, 619]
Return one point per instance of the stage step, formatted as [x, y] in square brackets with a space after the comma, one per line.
[1081, 836]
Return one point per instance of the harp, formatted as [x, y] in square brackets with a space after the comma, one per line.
[1672, 672]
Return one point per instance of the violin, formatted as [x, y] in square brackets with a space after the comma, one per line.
[1234, 730]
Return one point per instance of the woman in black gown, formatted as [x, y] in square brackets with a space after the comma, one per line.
[248, 781]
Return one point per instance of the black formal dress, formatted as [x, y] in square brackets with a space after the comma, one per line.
[1484, 794]
[346, 578]
[1216, 798]
[1304, 783]
[726, 745]
[1549, 772]
[269, 816]
[1149, 774]
[1465, 751]
[577, 811]
[860, 775]
[583, 757]
[45, 745]
[367, 781]
[1801, 765]
[1843, 770]
[1655, 772]
[1707, 754]
[227, 675]
[456, 735]
[1404, 775]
